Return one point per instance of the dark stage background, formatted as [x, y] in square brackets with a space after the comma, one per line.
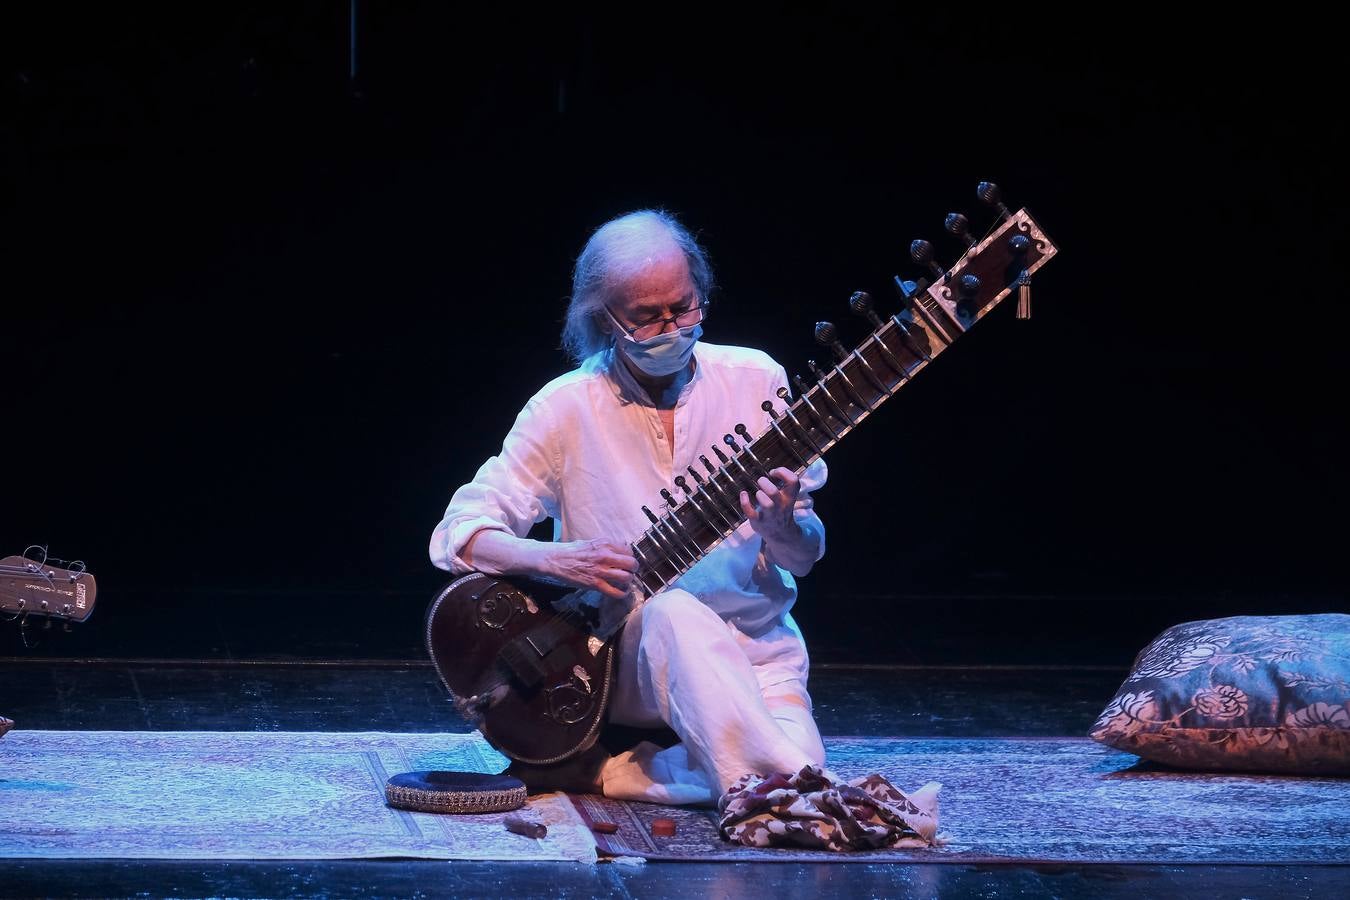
[264, 315]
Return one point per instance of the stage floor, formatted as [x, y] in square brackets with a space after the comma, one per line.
[392, 696]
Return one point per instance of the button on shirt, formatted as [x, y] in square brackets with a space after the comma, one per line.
[589, 451]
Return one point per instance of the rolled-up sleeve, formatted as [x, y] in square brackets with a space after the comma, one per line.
[511, 491]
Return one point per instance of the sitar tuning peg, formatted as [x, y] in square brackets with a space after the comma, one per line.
[800, 383]
[1020, 246]
[921, 252]
[990, 194]
[667, 496]
[860, 302]
[828, 336]
[815, 370]
[907, 289]
[744, 433]
[967, 291]
[959, 225]
[767, 406]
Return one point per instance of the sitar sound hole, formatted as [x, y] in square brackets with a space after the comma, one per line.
[495, 609]
[568, 705]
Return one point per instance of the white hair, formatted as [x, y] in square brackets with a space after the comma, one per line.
[617, 250]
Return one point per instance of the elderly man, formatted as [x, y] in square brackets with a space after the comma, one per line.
[717, 657]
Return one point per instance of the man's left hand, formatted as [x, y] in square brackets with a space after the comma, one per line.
[771, 515]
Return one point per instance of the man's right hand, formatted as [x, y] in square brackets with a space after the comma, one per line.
[595, 565]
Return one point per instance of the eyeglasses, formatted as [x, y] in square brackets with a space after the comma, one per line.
[649, 329]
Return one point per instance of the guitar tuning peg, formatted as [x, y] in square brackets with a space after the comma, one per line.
[921, 252]
[990, 194]
[860, 302]
[828, 336]
[959, 225]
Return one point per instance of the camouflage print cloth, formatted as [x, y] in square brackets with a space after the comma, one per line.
[812, 809]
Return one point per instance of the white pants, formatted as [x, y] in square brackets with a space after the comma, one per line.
[739, 704]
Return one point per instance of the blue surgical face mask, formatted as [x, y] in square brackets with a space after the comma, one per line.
[664, 354]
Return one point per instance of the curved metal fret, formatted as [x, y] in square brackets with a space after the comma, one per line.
[733, 502]
[852, 392]
[787, 443]
[844, 416]
[806, 432]
[676, 559]
[686, 541]
[894, 363]
[697, 506]
[644, 562]
[703, 489]
[908, 339]
[824, 423]
[872, 376]
[721, 491]
[753, 481]
[678, 527]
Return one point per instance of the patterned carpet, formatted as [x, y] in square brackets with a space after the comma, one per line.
[251, 795]
[1042, 800]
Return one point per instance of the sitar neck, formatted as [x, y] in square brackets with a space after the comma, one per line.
[842, 396]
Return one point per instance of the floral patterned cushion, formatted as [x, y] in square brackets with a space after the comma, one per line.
[1248, 693]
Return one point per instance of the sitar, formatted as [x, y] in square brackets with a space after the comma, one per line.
[531, 667]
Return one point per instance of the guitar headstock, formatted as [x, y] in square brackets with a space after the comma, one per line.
[35, 586]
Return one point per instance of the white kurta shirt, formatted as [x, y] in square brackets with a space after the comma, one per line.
[590, 451]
